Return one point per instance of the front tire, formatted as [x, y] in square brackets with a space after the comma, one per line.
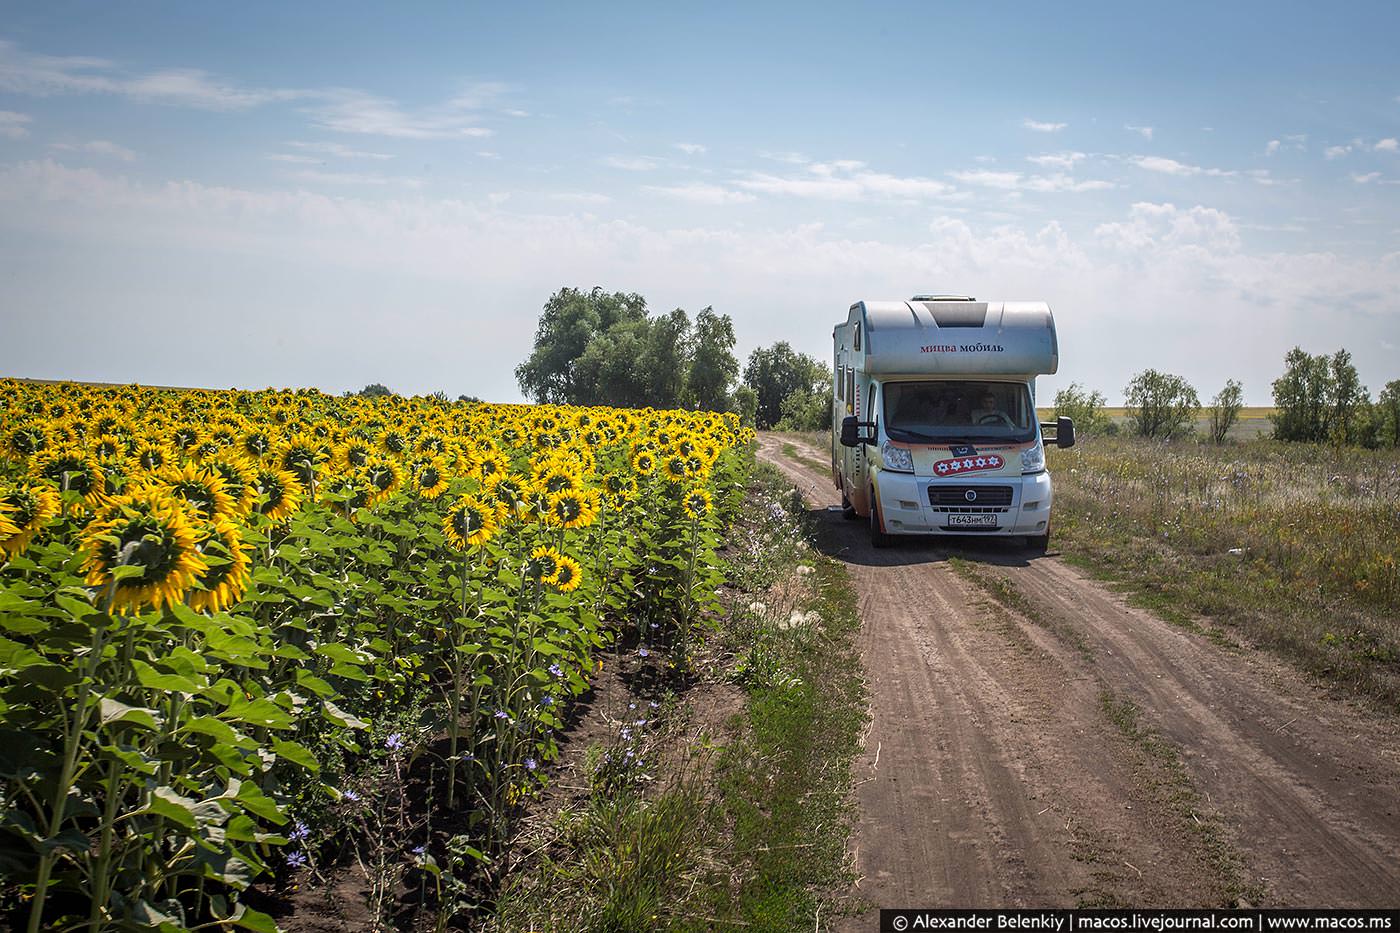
[1039, 544]
[878, 538]
[848, 511]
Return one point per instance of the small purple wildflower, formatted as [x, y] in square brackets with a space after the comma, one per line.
[640, 722]
[644, 652]
[631, 705]
[629, 753]
[531, 764]
[394, 742]
[625, 732]
[654, 705]
[547, 701]
[351, 796]
[299, 832]
[556, 670]
[419, 850]
[655, 625]
[296, 859]
[502, 714]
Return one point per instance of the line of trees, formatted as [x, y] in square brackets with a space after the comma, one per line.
[1317, 399]
[600, 348]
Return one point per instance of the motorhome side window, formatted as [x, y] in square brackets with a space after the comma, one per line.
[963, 410]
[856, 338]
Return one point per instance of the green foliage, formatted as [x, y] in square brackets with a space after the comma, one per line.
[1387, 415]
[1160, 404]
[746, 405]
[1084, 406]
[806, 411]
[1225, 410]
[376, 390]
[1321, 398]
[593, 348]
[775, 373]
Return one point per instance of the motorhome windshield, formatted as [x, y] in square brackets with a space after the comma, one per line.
[946, 411]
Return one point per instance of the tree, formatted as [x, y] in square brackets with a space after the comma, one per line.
[809, 408]
[375, 390]
[600, 349]
[1085, 407]
[571, 320]
[1160, 404]
[746, 405]
[1225, 410]
[778, 371]
[1350, 401]
[1387, 410]
[1303, 397]
[713, 366]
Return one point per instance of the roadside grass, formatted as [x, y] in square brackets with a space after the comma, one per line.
[1291, 547]
[739, 827]
[793, 452]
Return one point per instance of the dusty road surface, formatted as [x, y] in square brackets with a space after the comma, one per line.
[1056, 747]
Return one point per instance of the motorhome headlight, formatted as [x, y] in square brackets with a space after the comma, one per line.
[1033, 458]
[898, 459]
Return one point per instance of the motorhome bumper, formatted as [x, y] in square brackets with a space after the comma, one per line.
[913, 505]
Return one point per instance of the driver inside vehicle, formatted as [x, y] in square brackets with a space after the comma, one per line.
[987, 409]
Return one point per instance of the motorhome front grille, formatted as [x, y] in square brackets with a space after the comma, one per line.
[971, 498]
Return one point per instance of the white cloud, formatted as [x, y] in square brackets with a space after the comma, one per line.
[1272, 147]
[690, 148]
[1388, 145]
[1062, 160]
[845, 180]
[12, 125]
[702, 193]
[789, 158]
[1041, 127]
[351, 111]
[294, 159]
[1015, 181]
[486, 154]
[1365, 179]
[338, 150]
[1335, 152]
[1144, 131]
[355, 179]
[100, 147]
[631, 163]
[1148, 289]
[1173, 167]
[579, 197]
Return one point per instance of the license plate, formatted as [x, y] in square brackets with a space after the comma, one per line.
[985, 520]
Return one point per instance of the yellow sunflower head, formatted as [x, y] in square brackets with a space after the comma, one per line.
[149, 530]
[644, 463]
[471, 522]
[573, 509]
[240, 481]
[71, 469]
[430, 478]
[279, 492]
[543, 564]
[201, 488]
[675, 467]
[225, 556]
[696, 502]
[568, 575]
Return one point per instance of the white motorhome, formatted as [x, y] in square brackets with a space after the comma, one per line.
[934, 423]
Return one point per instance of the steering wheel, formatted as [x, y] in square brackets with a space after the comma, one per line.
[995, 417]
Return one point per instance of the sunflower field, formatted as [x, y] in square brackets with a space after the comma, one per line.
[215, 605]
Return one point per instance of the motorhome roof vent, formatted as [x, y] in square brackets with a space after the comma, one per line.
[942, 298]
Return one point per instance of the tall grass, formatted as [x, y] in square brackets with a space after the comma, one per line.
[1297, 545]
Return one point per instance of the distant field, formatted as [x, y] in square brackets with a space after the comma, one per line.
[1253, 422]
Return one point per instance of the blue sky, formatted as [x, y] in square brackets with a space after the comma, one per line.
[334, 194]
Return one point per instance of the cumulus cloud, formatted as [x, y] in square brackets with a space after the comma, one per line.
[1335, 152]
[1388, 145]
[690, 148]
[1272, 147]
[1173, 167]
[1042, 127]
[1364, 179]
[631, 163]
[1016, 181]
[845, 180]
[1061, 160]
[1144, 131]
[350, 111]
[338, 150]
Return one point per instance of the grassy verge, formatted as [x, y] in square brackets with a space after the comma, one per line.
[797, 454]
[735, 821]
[1294, 548]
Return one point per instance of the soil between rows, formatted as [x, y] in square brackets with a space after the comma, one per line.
[994, 774]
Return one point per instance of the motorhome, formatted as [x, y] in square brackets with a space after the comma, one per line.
[934, 423]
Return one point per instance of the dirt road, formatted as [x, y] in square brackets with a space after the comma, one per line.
[1078, 751]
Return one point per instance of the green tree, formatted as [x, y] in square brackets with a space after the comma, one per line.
[1160, 404]
[713, 366]
[1225, 410]
[375, 390]
[1302, 397]
[1084, 406]
[1350, 401]
[809, 408]
[778, 371]
[746, 405]
[1387, 410]
[570, 321]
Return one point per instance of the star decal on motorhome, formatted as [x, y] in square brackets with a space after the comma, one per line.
[960, 465]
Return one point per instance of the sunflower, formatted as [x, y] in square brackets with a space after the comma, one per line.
[225, 580]
[393, 442]
[147, 530]
[108, 446]
[573, 509]
[151, 454]
[280, 492]
[620, 487]
[492, 468]
[386, 475]
[510, 494]
[567, 575]
[470, 523]
[543, 564]
[355, 453]
[186, 437]
[256, 443]
[71, 469]
[352, 490]
[430, 478]
[554, 478]
[696, 502]
[676, 467]
[643, 463]
[201, 488]
[9, 526]
[301, 456]
[26, 440]
[240, 481]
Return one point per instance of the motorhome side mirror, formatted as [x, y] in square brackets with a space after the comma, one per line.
[850, 431]
[1064, 432]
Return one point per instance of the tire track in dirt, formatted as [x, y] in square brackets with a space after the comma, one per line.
[992, 775]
